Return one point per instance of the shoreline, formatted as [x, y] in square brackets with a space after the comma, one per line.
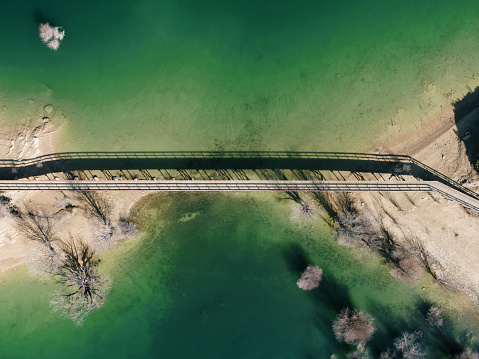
[438, 144]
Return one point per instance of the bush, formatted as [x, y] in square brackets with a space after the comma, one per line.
[310, 278]
[353, 327]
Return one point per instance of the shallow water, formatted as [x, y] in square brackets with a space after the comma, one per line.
[180, 75]
[184, 75]
[219, 283]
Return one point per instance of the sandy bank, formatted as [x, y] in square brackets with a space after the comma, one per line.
[446, 230]
[35, 139]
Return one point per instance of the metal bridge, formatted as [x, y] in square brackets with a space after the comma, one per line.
[14, 172]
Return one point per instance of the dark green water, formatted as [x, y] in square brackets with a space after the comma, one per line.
[251, 75]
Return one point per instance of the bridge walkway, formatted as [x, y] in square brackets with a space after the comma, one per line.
[230, 185]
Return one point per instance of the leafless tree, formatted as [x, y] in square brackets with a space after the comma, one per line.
[45, 32]
[83, 287]
[467, 354]
[310, 278]
[303, 211]
[357, 230]
[359, 353]
[434, 317]
[127, 228]
[95, 205]
[353, 327]
[36, 225]
[98, 208]
[388, 354]
[408, 268]
[103, 235]
[408, 345]
[51, 35]
[43, 262]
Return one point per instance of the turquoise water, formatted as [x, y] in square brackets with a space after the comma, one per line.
[308, 75]
[222, 284]
[251, 75]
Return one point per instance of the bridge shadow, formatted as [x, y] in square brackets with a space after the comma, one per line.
[468, 132]
[254, 161]
[228, 165]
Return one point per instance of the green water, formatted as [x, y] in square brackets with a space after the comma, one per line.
[178, 74]
[222, 284]
[251, 75]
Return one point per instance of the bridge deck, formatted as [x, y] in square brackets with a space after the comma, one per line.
[13, 172]
[213, 185]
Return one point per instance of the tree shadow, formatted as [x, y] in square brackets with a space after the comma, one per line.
[40, 17]
[295, 257]
[332, 295]
[440, 342]
[389, 327]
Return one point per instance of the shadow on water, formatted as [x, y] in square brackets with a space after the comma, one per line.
[440, 342]
[40, 17]
[295, 257]
[389, 326]
[332, 294]
[468, 132]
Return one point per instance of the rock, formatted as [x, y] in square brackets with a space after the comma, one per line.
[48, 108]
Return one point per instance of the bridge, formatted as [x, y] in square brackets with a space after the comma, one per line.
[230, 171]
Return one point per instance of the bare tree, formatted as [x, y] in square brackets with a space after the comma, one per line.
[434, 317]
[408, 268]
[51, 35]
[36, 226]
[83, 287]
[353, 327]
[95, 205]
[310, 278]
[408, 345]
[388, 354]
[303, 211]
[98, 208]
[127, 228]
[467, 354]
[357, 230]
[359, 353]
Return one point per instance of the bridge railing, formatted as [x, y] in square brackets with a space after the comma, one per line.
[235, 154]
[203, 154]
[449, 180]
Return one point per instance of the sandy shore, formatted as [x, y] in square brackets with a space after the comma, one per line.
[445, 228]
[33, 140]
